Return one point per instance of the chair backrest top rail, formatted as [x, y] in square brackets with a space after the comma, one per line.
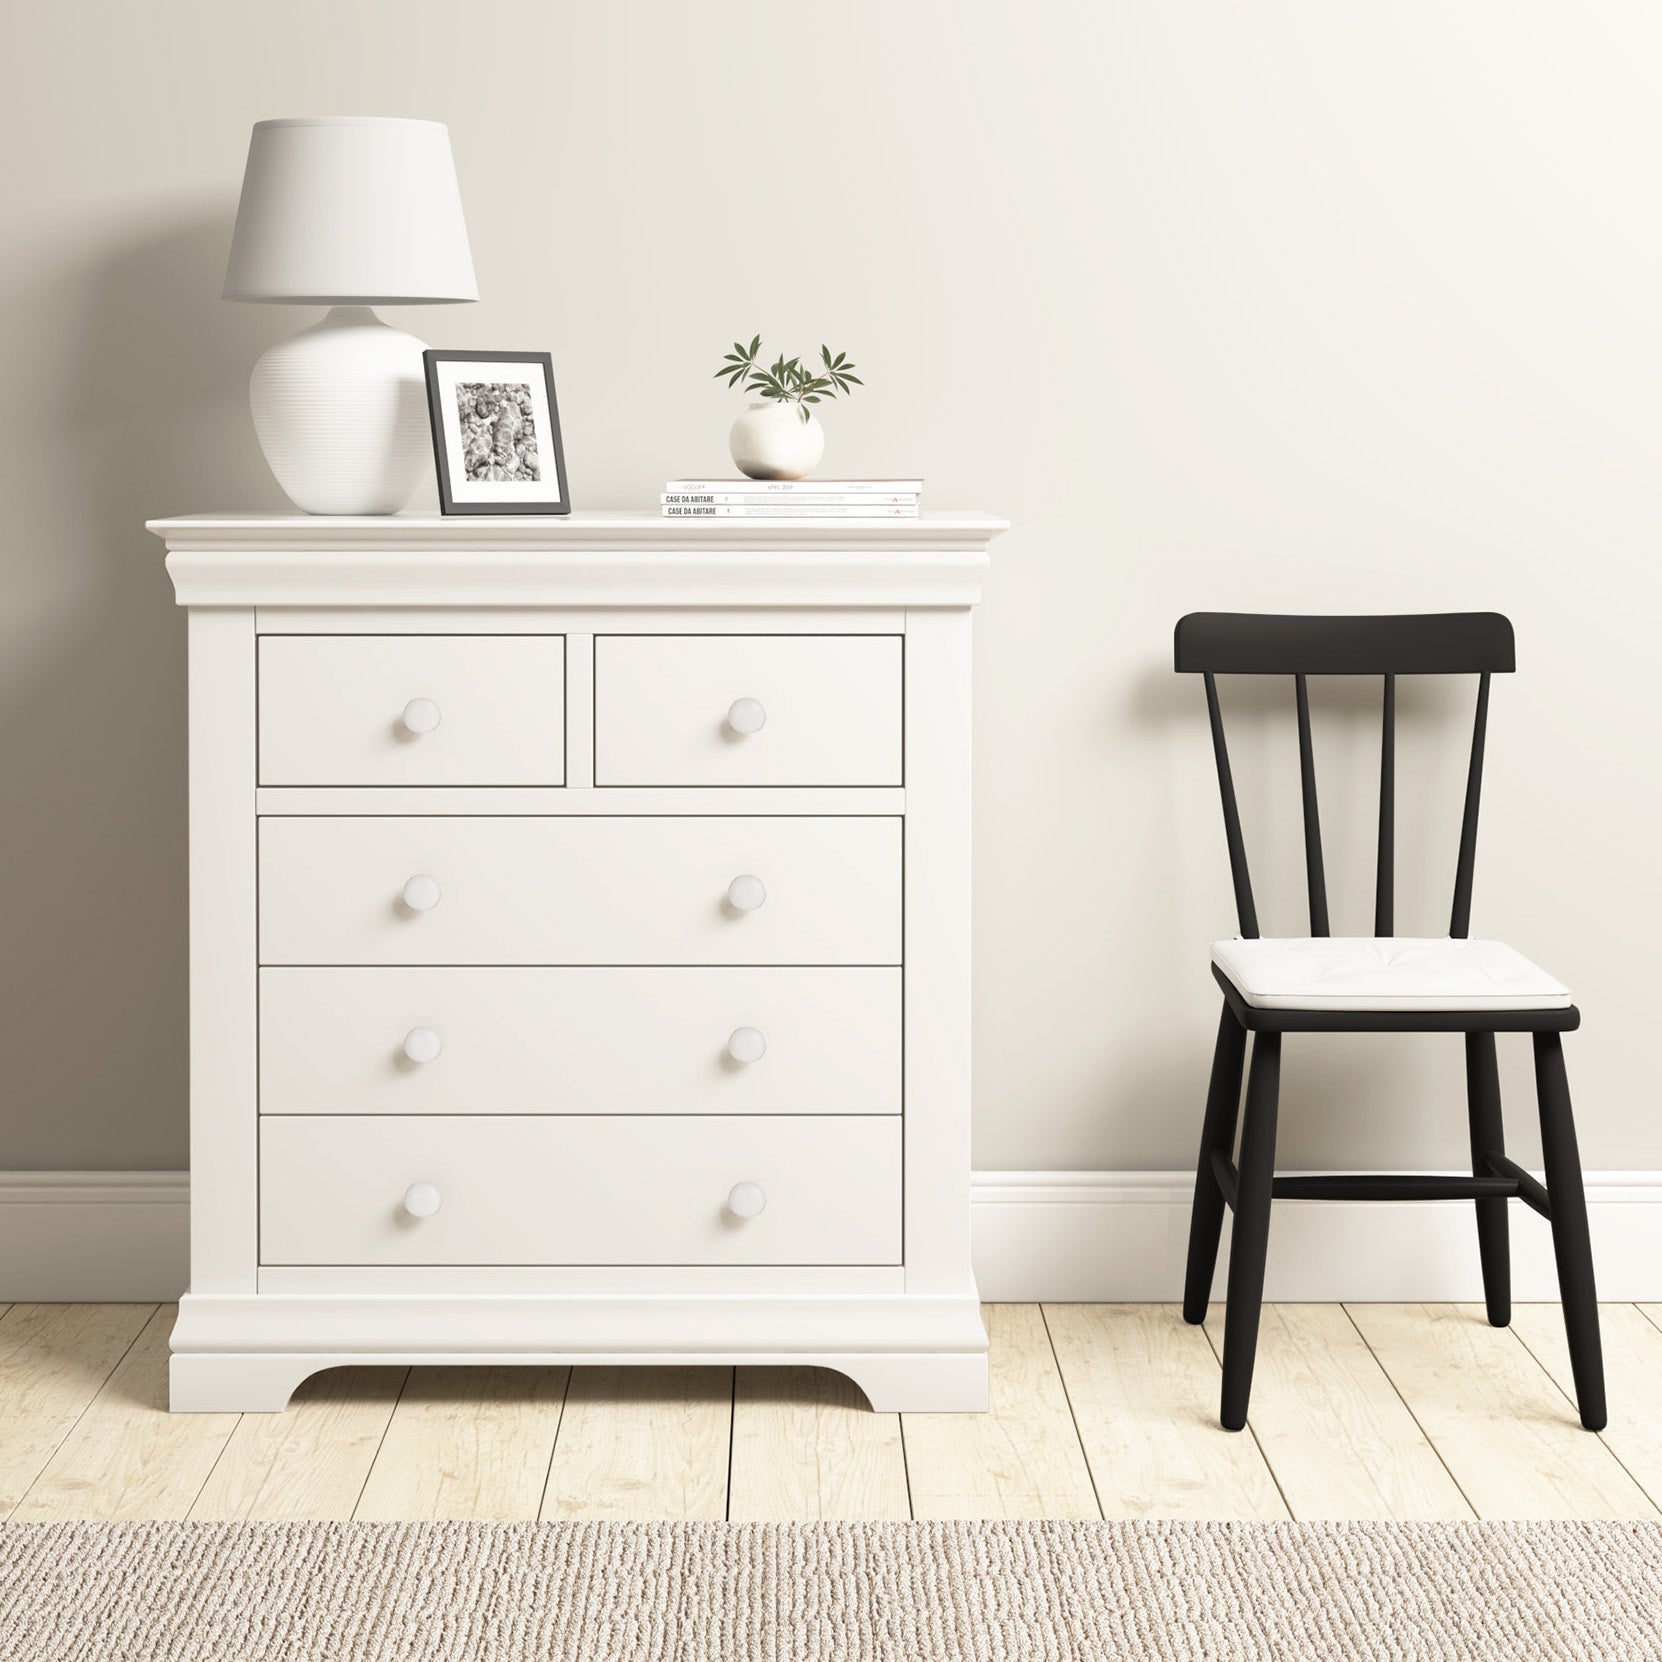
[1429, 643]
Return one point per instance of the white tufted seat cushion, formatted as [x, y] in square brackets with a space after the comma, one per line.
[1395, 972]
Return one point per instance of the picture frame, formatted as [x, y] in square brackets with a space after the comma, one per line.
[496, 432]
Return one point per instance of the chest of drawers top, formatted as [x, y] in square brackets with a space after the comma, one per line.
[606, 558]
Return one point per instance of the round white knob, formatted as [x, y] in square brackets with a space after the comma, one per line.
[421, 715]
[747, 1200]
[747, 715]
[422, 1044]
[422, 1200]
[746, 1044]
[422, 893]
[746, 893]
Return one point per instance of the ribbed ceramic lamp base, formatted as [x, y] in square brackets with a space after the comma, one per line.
[341, 414]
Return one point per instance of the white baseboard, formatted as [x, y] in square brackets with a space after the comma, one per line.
[93, 1236]
[1119, 1236]
[1122, 1237]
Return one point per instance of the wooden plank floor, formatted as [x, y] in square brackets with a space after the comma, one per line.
[1363, 1411]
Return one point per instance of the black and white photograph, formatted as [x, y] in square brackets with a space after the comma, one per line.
[499, 431]
[496, 432]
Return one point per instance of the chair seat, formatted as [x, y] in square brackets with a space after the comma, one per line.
[1394, 972]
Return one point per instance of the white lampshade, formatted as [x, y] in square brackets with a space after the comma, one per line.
[350, 210]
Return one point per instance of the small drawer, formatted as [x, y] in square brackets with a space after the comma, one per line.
[607, 889]
[580, 1041]
[579, 1190]
[412, 710]
[747, 709]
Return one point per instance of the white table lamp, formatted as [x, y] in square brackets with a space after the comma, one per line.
[347, 212]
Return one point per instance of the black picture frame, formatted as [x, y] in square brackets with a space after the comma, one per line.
[448, 465]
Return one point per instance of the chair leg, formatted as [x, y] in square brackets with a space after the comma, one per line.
[1249, 1241]
[1223, 1105]
[1571, 1242]
[1489, 1137]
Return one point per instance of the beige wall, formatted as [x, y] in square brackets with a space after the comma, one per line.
[1290, 306]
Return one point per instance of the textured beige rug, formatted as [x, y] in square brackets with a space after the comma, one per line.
[170, 1592]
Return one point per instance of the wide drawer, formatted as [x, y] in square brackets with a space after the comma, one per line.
[747, 709]
[600, 890]
[412, 710]
[580, 1041]
[579, 1190]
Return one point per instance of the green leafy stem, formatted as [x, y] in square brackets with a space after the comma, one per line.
[789, 380]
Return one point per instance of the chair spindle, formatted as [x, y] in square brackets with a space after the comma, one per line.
[1460, 924]
[1315, 872]
[1244, 908]
[1384, 893]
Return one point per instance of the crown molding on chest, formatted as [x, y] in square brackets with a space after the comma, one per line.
[605, 558]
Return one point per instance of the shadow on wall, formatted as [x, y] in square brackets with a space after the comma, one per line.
[140, 410]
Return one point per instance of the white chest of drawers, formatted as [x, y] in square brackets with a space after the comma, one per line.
[579, 947]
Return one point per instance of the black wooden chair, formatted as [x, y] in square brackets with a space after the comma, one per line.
[1383, 983]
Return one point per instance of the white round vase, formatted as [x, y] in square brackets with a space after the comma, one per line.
[341, 413]
[772, 441]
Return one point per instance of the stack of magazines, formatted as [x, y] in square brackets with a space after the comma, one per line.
[791, 498]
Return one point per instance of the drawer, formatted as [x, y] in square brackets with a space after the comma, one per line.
[579, 1190]
[360, 710]
[580, 1041]
[601, 890]
[829, 707]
